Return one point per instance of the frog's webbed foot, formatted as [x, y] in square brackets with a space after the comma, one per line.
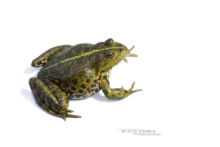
[51, 98]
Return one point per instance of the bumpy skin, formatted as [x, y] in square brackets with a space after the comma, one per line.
[76, 72]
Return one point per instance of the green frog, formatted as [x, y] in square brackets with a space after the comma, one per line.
[77, 72]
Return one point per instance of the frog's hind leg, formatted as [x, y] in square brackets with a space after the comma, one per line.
[49, 54]
[50, 97]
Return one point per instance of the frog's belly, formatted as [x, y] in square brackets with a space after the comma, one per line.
[80, 86]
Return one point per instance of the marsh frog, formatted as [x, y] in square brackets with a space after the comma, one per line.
[76, 72]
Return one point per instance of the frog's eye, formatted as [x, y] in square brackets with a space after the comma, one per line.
[110, 54]
[109, 42]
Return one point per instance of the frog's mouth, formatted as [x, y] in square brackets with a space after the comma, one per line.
[129, 54]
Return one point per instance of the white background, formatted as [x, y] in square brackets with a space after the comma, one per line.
[177, 68]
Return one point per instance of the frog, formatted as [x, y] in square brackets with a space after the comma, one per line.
[77, 72]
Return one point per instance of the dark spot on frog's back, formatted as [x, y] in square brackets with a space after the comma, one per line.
[87, 80]
[86, 49]
[73, 88]
[83, 86]
[74, 81]
[80, 91]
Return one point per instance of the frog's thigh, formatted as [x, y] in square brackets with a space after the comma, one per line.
[49, 54]
[51, 98]
[115, 93]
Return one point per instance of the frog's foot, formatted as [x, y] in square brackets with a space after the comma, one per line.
[116, 93]
[129, 54]
[51, 98]
[67, 114]
[63, 115]
[130, 91]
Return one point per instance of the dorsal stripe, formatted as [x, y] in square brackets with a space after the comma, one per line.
[82, 55]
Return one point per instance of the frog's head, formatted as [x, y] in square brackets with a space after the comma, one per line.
[113, 53]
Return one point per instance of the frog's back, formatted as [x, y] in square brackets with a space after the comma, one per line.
[69, 63]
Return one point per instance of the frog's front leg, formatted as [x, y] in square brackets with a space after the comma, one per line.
[115, 93]
[49, 54]
[51, 98]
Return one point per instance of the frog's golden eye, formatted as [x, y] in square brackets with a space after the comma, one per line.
[110, 55]
[109, 42]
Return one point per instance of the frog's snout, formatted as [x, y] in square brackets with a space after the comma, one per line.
[129, 54]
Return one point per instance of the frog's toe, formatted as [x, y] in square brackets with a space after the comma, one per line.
[130, 91]
[67, 114]
[132, 86]
[74, 116]
[70, 115]
[69, 110]
[136, 90]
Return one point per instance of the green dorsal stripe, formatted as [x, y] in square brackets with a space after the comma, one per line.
[82, 55]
